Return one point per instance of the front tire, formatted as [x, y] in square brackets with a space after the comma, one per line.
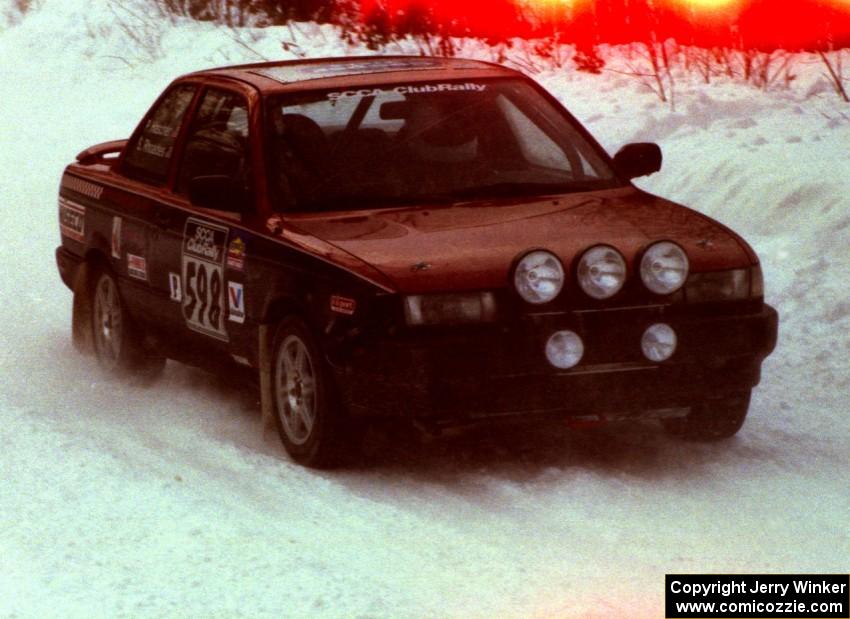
[118, 343]
[712, 420]
[311, 424]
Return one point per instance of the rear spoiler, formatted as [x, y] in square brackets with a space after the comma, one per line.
[99, 152]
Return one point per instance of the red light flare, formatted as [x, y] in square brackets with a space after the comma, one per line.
[767, 24]
[712, 10]
[795, 24]
[791, 24]
[499, 18]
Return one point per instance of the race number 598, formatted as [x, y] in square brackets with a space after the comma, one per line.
[203, 281]
[203, 296]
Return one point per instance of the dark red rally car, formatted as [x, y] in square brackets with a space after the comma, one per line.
[418, 238]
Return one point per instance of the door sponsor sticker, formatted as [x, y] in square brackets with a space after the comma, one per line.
[343, 305]
[116, 238]
[174, 287]
[203, 282]
[137, 267]
[235, 302]
[72, 220]
[236, 254]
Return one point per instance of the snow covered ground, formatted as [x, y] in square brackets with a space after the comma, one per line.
[117, 500]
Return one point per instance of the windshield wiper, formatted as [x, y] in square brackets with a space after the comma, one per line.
[365, 202]
[360, 202]
[514, 189]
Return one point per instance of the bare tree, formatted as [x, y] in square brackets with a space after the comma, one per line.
[768, 67]
[834, 63]
[144, 28]
[833, 60]
[650, 62]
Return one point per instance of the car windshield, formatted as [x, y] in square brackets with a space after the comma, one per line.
[437, 142]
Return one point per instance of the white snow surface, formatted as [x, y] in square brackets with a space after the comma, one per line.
[123, 501]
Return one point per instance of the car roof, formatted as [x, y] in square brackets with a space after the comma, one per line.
[353, 71]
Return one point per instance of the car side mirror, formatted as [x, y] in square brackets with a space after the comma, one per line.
[218, 192]
[641, 159]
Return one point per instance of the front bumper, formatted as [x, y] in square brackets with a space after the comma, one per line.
[446, 377]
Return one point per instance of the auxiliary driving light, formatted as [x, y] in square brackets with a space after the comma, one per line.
[564, 349]
[539, 277]
[601, 272]
[664, 267]
[658, 342]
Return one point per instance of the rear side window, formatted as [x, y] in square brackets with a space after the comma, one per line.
[149, 156]
[217, 144]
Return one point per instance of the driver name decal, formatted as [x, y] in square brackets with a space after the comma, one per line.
[203, 293]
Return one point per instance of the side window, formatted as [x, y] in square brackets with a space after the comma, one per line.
[217, 144]
[148, 158]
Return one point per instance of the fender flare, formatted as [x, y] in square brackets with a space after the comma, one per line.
[81, 310]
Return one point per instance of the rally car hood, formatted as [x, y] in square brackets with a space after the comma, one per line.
[474, 245]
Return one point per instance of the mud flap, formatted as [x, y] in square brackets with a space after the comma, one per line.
[81, 311]
[266, 392]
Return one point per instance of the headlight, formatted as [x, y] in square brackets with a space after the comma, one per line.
[732, 285]
[462, 308]
[664, 267]
[601, 272]
[539, 277]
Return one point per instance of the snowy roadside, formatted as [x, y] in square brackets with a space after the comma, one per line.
[120, 501]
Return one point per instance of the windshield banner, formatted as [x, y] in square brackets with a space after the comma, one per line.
[408, 89]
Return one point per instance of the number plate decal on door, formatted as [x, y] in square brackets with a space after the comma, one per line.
[203, 281]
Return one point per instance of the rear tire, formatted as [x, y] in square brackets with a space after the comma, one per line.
[312, 425]
[712, 420]
[117, 341]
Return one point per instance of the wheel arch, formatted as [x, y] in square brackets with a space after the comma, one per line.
[96, 257]
[277, 306]
[98, 249]
[82, 337]
[280, 306]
